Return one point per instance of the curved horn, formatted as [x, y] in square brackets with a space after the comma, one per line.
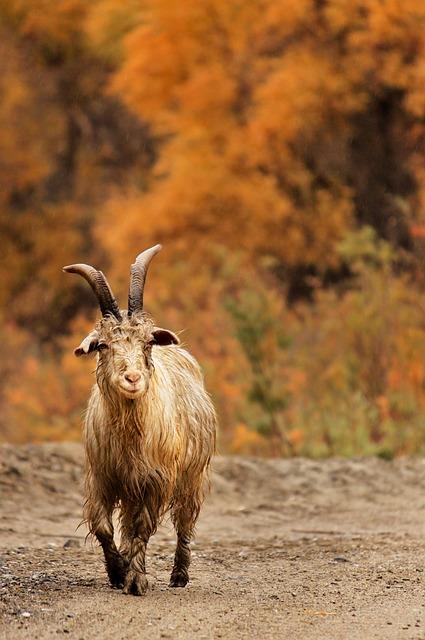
[138, 277]
[99, 284]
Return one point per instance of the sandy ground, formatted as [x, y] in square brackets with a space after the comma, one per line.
[293, 549]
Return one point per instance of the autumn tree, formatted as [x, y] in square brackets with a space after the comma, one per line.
[63, 143]
[263, 143]
[282, 123]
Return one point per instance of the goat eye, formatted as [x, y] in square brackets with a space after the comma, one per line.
[102, 346]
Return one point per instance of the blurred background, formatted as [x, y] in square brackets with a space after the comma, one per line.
[277, 150]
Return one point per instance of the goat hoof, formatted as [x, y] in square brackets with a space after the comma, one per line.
[135, 583]
[116, 573]
[116, 583]
[179, 580]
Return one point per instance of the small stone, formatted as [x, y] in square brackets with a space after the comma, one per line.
[25, 614]
[72, 543]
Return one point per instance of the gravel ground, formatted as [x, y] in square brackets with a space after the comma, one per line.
[293, 549]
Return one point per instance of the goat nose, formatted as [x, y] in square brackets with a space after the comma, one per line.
[132, 376]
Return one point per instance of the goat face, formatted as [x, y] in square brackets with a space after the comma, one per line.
[125, 352]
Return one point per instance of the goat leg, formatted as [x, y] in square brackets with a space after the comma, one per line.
[99, 519]
[184, 514]
[138, 523]
[136, 582]
[180, 572]
[116, 566]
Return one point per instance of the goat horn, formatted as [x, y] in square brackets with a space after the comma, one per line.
[99, 284]
[138, 277]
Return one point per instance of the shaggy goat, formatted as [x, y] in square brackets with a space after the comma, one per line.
[149, 432]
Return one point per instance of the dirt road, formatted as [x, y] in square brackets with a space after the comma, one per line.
[293, 549]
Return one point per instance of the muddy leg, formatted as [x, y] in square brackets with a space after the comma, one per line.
[100, 523]
[180, 572]
[184, 516]
[138, 525]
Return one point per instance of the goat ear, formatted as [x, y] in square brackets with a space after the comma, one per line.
[88, 345]
[164, 337]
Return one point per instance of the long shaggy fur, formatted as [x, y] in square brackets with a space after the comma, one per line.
[145, 455]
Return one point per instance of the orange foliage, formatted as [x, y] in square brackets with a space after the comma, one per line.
[207, 74]
[45, 395]
[20, 143]
[266, 139]
[249, 442]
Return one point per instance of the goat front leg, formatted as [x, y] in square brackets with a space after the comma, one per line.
[138, 524]
[99, 518]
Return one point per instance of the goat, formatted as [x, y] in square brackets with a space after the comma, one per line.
[149, 432]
